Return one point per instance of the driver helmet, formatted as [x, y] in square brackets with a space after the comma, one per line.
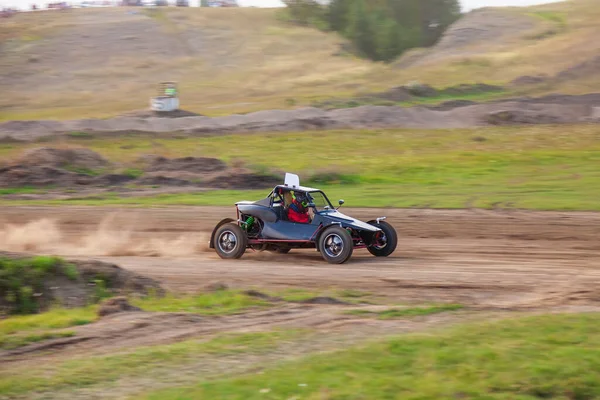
[301, 198]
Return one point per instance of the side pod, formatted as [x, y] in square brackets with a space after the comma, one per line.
[212, 235]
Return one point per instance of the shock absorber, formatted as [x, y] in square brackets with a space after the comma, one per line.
[248, 223]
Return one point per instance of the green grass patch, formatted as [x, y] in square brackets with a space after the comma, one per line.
[551, 356]
[21, 190]
[56, 318]
[295, 294]
[144, 361]
[21, 279]
[221, 302]
[21, 330]
[393, 313]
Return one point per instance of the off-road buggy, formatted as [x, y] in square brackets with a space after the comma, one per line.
[264, 225]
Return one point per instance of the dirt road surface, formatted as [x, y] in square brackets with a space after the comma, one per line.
[496, 263]
[486, 259]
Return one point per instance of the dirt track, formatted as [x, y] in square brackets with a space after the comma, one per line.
[489, 259]
[493, 262]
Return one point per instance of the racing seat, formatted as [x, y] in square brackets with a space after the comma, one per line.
[280, 211]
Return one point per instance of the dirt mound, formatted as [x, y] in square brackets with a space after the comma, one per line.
[527, 80]
[57, 167]
[79, 167]
[187, 164]
[91, 280]
[23, 175]
[62, 158]
[409, 92]
[243, 180]
[116, 305]
[323, 300]
[520, 117]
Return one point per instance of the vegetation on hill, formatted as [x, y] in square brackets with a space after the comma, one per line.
[380, 30]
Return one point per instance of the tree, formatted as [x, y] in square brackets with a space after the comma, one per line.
[305, 12]
[360, 29]
[380, 29]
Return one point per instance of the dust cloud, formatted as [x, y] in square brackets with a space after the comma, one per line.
[109, 238]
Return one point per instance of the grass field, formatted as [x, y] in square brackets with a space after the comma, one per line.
[143, 361]
[537, 167]
[554, 356]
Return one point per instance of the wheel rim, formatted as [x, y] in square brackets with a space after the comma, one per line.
[227, 242]
[380, 241]
[334, 245]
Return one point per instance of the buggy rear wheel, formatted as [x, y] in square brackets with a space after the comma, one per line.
[336, 245]
[230, 241]
[385, 242]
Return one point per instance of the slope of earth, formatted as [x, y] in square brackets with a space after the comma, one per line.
[555, 44]
[90, 61]
[86, 63]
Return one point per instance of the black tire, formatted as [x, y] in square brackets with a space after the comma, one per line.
[335, 245]
[390, 237]
[230, 241]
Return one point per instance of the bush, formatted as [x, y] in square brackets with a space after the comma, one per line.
[22, 279]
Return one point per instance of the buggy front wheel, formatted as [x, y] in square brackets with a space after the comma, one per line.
[335, 245]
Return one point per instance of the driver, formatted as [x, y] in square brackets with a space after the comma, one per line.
[298, 208]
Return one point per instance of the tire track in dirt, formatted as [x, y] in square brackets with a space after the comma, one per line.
[503, 259]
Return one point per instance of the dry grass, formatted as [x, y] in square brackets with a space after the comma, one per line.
[243, 60]
[574, 41]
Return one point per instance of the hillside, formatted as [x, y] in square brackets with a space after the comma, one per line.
[105, 62]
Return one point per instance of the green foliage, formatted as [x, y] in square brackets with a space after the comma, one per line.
[380, 30]
[551, 356]
[100, 290]
[22, 279]
[306, 13]
[17, 190]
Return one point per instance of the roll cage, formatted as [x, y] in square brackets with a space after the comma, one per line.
[276, 197]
